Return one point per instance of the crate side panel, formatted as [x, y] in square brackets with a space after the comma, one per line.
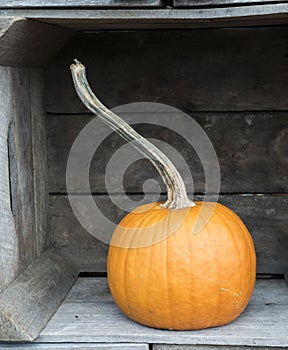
[251, 150]
[89, 252]
[193, 70]
[9, 249]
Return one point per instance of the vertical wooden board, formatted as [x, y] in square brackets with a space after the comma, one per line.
[8, 235]
[24, 167]
[40, 165]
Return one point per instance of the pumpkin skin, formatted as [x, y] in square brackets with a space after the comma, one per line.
[186, 281]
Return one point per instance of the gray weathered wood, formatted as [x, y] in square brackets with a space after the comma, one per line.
[199, 3]
[25, 42]
[97, 320]
[158, 18]
[40, 166]
[22, 123]
[251, 149]
[203, 70]
[23, 222]
[209, 347]
[79, 3]
[265, 217]
[85, 252]
[29, 302]
[8, 235]
[80, 346]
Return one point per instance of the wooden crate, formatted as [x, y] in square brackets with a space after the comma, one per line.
[226, 67]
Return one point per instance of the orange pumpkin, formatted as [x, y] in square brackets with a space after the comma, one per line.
[178, 265]
[188, 280]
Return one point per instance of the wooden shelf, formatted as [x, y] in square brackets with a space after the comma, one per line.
[88, 314]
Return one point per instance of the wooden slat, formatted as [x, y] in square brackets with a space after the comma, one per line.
[203, 70]
[25, 42]
[23, 154]
[209, 347]
[71, 346]
[199, 3]
[262, 324]
[85, 252]
[79, 3]
[21, 240]
[8, 234]
[265, 217]
[251, 149]
[158, 18]
[40, 166]
[29, 302]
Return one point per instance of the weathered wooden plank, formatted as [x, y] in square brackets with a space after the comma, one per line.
[25, 42]
[158, 18]
[22, 123]
[85, 252]
[199, 3]
[79, 346]
[262, 324]
[209, 347]
[91, 290]
[265, 217]
[217, 70]
[8, 234]
[77, 3]
[251, 149]
[40, 166]
[29, 302]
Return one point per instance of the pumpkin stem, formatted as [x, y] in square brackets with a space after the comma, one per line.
[176, 191]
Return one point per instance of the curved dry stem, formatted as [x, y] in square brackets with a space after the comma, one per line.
[177, 196]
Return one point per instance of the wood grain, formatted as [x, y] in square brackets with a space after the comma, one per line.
[24, 195]
[209, 347]
[25, 219]
[201, 70]
[77, 3]
[40, 156]
[230, 16]
[265, 217]
[96, 320]
[8, 235]
[199, 3]
[29, 302]
[79, 346]
[30, 43]
[251, 149]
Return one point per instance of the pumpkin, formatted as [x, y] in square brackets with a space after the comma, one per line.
[162, 272]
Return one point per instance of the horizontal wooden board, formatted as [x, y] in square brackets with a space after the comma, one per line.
[251, 149]
[230, 16]
[77, 3]
[80, 346]
[197, 70]
[199, 3]
[265, 217]
[209, 347]
[30, 43]
[96, 320]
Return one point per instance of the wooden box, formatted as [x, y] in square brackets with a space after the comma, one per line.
[226, 66]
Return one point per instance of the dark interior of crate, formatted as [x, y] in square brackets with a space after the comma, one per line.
[234, 83]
